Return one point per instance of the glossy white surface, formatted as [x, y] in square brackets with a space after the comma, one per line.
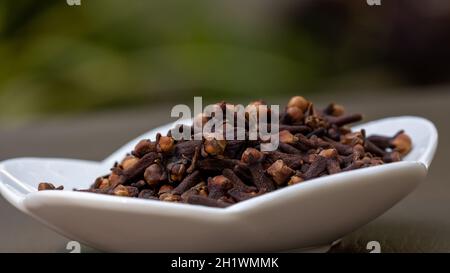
[309, 214]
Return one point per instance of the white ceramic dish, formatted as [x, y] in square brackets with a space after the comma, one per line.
[306, 216]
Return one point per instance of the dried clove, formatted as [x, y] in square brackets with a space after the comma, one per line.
[218, 186]
[165, 144]
[170, 197]
[128, 162]
[239, 195]
[137, 170]
[199, 189]
[294, 129]
[213, 147]
[165, 189]
[147, 194]
[120, 190]
[236, 181]
[48, 186]
[289, 149]
[253, 158]
[217, 164]
[188, 182]
[214, 172]
[317, 167]
[193, 165]
[334, 109]
[144, 147]
[402, 143]
[154, 174]
[140, 184]
[299, 102]
[345, 119]
[295, 179]
[206, 201]
[187, 148]
[280, 172]
[176, 171]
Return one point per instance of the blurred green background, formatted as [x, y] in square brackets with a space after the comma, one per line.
[61, 59]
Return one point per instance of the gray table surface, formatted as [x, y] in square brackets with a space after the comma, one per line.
[420, 223]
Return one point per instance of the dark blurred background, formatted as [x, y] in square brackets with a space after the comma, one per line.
[104, 54]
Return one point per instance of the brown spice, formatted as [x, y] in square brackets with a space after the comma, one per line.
[48, 186]
[313, 143]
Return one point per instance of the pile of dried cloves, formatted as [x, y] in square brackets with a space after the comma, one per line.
[218, 173]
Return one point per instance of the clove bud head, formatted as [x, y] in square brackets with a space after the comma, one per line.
[220, 181]
[177, 172]
[280, 172]
[295, 114]
[113, 178]
[147, 194]
[153, 174]
[315, 122]
[358, 151]
[251, 156]
[166, 144]
[218, 186]
[337, 110]
[48, 186]
[214, 147]
[103, 183]
[329, 153]
[129, 162]
[299, 102]
[199, 189]
[165, 189]
[295, 179]
[353, 139]
[121, 190]
[402, 143]
[287, 137]
[169, 197]
[144, 147]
